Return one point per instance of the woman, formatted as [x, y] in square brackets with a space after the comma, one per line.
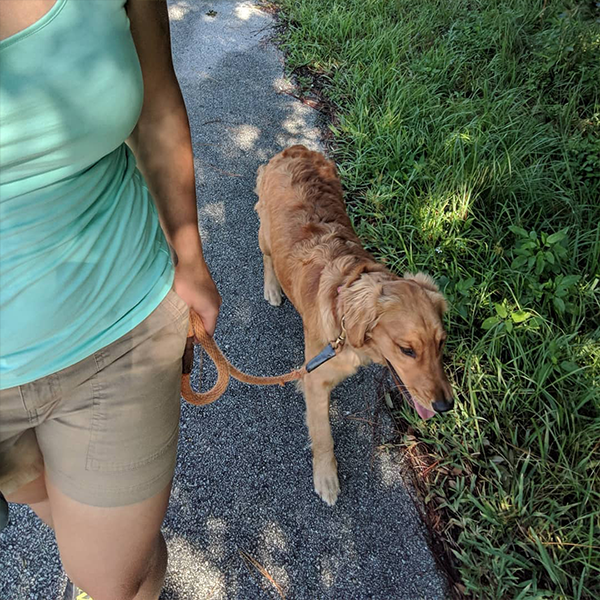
[95, 158]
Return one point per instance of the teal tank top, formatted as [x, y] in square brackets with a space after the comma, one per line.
[82, 257]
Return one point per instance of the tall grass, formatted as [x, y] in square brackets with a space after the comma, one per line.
[467, 134]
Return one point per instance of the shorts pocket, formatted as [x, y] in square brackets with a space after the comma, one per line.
[98, 460]
[177, 307]
[136, 400]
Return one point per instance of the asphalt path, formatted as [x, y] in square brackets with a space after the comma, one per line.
[243, 505]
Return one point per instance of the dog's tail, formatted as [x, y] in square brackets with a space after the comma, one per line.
[259, 176]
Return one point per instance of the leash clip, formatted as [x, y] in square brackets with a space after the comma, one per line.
[326, 354]
[329, 352]
[339, 341]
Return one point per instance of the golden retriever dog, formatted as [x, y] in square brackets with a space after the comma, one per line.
[345, 297]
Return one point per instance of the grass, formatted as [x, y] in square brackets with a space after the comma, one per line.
[467, 135]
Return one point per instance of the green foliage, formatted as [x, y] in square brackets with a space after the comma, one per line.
[467, 134]
[540, 258]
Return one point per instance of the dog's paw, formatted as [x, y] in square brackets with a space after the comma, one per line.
[326, 481]
[273, 295]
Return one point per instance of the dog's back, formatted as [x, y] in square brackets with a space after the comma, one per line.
[303, 215]
[301, 188]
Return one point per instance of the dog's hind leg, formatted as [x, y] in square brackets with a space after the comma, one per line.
[272, 286]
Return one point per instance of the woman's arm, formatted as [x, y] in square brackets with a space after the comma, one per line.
[162, 146]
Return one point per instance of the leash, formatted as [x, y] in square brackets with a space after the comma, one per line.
[225, 370]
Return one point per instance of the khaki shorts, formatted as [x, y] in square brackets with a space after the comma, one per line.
[104, 429]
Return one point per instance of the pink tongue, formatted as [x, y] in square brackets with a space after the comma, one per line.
[424, 413]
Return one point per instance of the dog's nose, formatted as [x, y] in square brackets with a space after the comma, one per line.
[443, 405]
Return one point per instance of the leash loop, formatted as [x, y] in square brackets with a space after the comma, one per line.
[225, 370]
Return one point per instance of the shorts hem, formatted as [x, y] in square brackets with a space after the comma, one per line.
[105, 497]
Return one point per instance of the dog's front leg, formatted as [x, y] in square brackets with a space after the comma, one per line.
[316, 393]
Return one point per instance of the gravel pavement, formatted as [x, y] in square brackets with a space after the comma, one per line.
[243, 485]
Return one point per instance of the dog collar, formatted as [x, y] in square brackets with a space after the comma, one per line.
[329, 351]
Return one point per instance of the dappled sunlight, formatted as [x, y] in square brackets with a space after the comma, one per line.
[209, 215]
[459, 137]
[273, 549]
[244, 309]
[329, 569]
[296, 122]
[273, 537]
[212, 582]
[283, 85]
[295, 128]
[245, 10]
[445, 213]
[204, 35]
[213, 211]
[178, 10]
[335, 411]
[263, 155]
[246, 136]
[388, 470]
[217, 530]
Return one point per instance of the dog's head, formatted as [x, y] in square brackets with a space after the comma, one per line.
[398, 323]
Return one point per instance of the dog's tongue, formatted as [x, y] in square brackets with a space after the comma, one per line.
[424, 413]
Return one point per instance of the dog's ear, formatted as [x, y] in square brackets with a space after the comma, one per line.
[361, 309]
[431, 289]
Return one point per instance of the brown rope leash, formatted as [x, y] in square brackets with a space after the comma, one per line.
[225, 369]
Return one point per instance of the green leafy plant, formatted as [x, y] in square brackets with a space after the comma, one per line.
[458, 293]
[540, 253]
[505, 318]
[541, 257]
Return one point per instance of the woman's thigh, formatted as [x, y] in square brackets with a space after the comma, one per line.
[108, 552]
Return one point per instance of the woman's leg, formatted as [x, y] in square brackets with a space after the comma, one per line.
[107, 430]
[112, 553]
[109, 448]
[35, 495]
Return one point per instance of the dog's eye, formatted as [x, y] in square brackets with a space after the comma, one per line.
[408, 351]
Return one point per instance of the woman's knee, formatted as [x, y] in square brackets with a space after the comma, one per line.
[111, 553]
[141, 583]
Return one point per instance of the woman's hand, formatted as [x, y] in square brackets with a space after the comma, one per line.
[195, 286]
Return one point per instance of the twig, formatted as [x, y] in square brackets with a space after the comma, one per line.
[217, 169]
[569, 544]
[249, 559]
[430, 467]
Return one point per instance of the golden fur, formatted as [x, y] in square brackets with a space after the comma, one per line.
[311, 252]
